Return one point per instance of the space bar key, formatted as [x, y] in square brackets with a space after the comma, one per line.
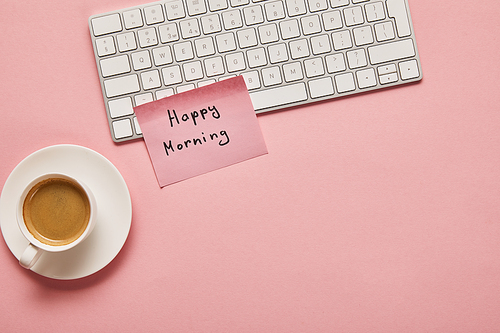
[279, 96]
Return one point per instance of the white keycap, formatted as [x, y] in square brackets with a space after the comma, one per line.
[106, 24]
[356, 58]
[215, 5]
[204, 46]
[164, 93]
[154, 14]
[252, 80]
[114, 66]
[196, 7]
[122, 128]
[211, 24]
[132, 18]
[332, 20]
[206, 82]
[321, 87]
[185, 87]
[192, 70]
[339, 3]
[171, 75]
[126, 42]
[190, 28]
[353, 16]
[143, 99]
[141, 60]
[105, 46]
[314, 67]
[299, 49]
[388, 78]
[366, 78]
[384, 31]
[374, 11]
[138, 130]
[391, 51]
[162, 56]
[122, 85]
[397, 10]
[363, 36]
[289, 29]
[320, 44]
[256, 57]
[278, 53]
[345, 82]
[168, 33]
[175, 9]
[293, 71]
[296, 7]
[274, 10]
[278, 96]
[120, 107]
[409, 69]
[247, 38]
[268, 33]
[147, 37]
[225, 42]
[317, 5]
[310, 24]
[236, 3]
[391, 68]
[214, 66]
[235, 62]
[150, 79]
[341, 40]
[271, 76]
[232, 19]
[335, 63]
[183, 51]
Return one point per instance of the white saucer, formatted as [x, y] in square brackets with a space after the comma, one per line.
[114, 213]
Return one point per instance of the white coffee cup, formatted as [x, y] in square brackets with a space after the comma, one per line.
[55, 213]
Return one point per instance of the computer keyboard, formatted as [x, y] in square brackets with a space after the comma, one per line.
[290, 52]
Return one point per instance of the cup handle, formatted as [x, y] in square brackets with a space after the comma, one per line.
[30, 256]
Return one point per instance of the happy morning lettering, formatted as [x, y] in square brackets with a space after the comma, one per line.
[194, 118]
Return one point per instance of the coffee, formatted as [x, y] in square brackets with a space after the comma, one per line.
[56, 211]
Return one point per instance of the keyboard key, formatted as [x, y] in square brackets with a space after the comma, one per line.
[345, 82]
[105, 46]
[252, 80]
[277, 53]
[299, 49]
[192, 70]
[253, 15]
[397, 10]
[190, 28]
[232, 19]
[256, 57]
[122, 85]
[214, 66]
[384, 31]
[122, 128]
[314, 67]
[204, 46]
[141, 60]
[341, 40]
[247, 38]
[126, 42]
[162, 56]
[320, 44]
[293, 71]
[363, 36]
[335, 63]
[132, 18]
[106, 24]
[147, 37]
[196, 7]
[168, 33]
[274, 10]
[271, 76]
[356, 58]
[317, 5]
[120, 107]
[154, 14]
[289, 29]
[391, 51]
[150, 79]
[183, 51]
[211, 24]
[225, 42]
[171, 75]
[296, 7]
[175, 9]
[215, 5]
[321, 87]
[332, 20]
[278, 96]
[115, 66]
[268, 34]
[353, 16]
[366, 78]
[409, 69]
[339, 3]
[235, 62]
[374, 11]
[310, 24]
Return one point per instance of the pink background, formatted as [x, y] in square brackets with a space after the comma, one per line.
[375, 213]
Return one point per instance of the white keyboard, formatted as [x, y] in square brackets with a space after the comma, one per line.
[290, 52]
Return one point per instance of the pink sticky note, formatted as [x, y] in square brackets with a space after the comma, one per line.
[200, 130]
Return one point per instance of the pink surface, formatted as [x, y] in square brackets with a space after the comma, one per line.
[201, 130]
[376, 213]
